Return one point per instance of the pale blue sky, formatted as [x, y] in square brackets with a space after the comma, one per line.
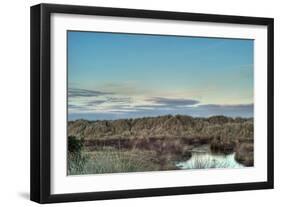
[113, 75]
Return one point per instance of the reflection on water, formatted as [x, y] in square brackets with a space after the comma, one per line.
[202, 158]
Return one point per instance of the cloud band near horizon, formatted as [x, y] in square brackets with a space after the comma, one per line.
[95, 105]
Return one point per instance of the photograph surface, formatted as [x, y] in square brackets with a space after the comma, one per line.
[141, 102]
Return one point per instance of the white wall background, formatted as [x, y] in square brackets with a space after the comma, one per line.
[14, 105]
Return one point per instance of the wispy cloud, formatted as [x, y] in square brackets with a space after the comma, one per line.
[229, 106]
[120, 99]
[197, 111]
[75, 92]
[107, 105]
[174, 102]
[125, 88]
[93, 101]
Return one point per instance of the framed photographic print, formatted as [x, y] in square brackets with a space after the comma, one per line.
[132, 103]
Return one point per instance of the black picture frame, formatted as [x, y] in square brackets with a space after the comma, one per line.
[41, 99]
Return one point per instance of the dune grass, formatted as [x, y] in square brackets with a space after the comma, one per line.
[109, 161]
[106, 159]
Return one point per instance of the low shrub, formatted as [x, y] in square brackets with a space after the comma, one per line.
[107, 161]
[76, 159]
[245, 154]
[219, 145]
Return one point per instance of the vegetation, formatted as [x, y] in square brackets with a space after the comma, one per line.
[76, 158]
[178, 126]
[108, 160]
[245, 154]
[155, 143]
[222, 145]
[115, 161]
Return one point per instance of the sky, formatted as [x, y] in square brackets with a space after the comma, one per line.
[115, 75]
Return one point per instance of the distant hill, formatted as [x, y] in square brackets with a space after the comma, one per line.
[178, 126]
